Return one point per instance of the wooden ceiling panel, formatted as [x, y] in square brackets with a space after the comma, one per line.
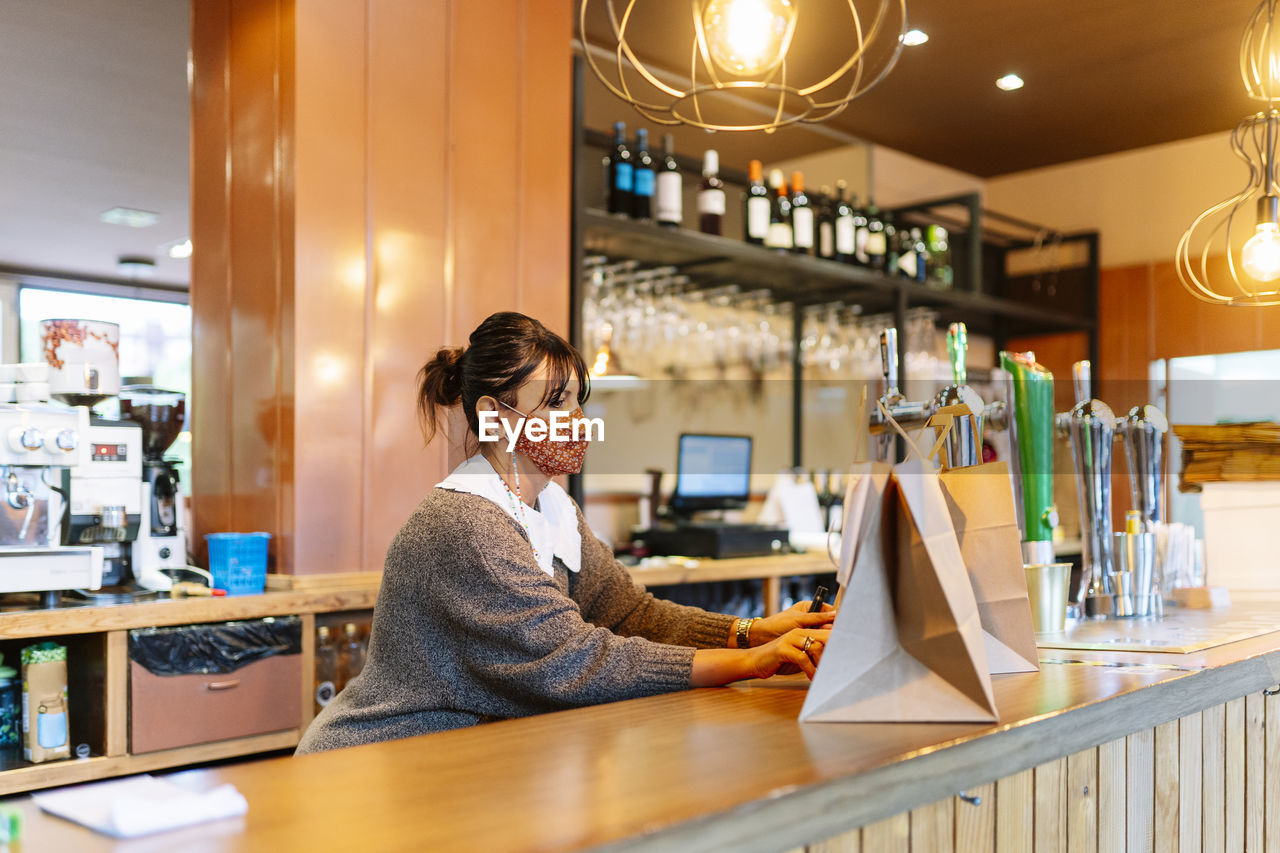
[1101, 76]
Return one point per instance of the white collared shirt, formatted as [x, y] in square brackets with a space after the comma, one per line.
[552, 528]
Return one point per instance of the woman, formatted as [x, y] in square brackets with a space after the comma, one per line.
[496, 599]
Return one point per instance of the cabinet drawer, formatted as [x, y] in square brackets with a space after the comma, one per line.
[168, 711]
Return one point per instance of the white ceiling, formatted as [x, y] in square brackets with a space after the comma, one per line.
[93, 115]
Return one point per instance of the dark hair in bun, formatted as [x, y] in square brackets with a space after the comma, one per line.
[503, 351]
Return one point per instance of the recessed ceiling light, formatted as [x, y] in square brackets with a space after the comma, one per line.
[912, 38]
[178, 250]
[130, 216]
[1009, 82]
[136, 266]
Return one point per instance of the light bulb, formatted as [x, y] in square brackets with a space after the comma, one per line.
[1261, 254]
[748, 37]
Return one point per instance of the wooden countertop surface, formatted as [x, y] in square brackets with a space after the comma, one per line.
[16, 624]
[344, 591]
[697, 770]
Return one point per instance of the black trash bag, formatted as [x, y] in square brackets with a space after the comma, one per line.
[215, 648]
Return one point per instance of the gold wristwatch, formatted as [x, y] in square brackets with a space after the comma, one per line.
[744, 629]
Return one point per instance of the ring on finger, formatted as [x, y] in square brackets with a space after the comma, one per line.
[808, 641]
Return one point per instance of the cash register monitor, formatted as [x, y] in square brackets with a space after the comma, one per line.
[712, 472]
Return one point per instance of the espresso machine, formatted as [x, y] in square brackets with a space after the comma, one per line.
[38, 443]
[103, 489]
[162, 536]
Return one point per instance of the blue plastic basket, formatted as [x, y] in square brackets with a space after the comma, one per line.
[238, 561]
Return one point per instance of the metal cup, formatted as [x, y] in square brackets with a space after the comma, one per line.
[1048, 585]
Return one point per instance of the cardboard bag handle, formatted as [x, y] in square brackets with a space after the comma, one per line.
[945, 423]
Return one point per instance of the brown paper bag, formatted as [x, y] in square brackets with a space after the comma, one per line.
[980, 499]
[907, 645]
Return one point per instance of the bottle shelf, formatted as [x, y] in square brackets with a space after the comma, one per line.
[717, 260]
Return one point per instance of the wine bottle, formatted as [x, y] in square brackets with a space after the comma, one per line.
[779, 236]
[875, 237]
[801, 216]
[669, 196]
[860, 235]
[938, 272]
[756, 214]
[846, 232]
[643, 178]
[907, 257]
[826, 225]
[891, 247]
[921, 250]
[621, 172]
[711, 195]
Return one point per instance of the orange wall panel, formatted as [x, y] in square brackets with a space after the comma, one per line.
[409, 158]
[379, 177]
[210, 279]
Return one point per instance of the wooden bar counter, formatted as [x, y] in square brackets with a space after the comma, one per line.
[1100, 750]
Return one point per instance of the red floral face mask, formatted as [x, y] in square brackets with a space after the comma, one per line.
[551, 456]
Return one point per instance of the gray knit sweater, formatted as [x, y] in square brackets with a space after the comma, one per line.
[468, 628]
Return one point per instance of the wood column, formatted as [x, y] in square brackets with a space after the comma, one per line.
[370, 179]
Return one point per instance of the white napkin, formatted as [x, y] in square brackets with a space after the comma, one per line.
[140, 805]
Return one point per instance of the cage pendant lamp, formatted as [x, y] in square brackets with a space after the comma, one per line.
[739, 52]
[1245, 228]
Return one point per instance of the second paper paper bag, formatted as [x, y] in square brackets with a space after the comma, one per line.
[908, 644]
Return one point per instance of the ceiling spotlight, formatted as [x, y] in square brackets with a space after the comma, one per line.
[178, 250]
[129, 216]
[914, 38]
[1009, 82]
[136, 266]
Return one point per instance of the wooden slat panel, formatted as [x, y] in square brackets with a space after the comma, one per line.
[892, 835]
[116, 707]
[933, 827]
[210, 270]
[485, 71]
[1015, 812]
[405, 167]
[1051, 807]
[1235, 782]
[1213, 748]
[1190, 781]
[976, 823]
[1140, 791]
[332, 195]
[1111, 797]
[545, 127]
[1272, 773]
[252, 439]
[1255, 782]
[1167, 788]
[849, 842]
[1082, 802]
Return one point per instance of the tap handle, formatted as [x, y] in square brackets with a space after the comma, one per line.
[889, 360]
[1081, 379]
[957, 347]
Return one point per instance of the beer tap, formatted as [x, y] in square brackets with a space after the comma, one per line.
[898, 407]
[1028, 416]
[963, 446]
[1090, 426]
[1143, 434]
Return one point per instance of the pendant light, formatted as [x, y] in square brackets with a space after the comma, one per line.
[1252, 270]
[740, 49]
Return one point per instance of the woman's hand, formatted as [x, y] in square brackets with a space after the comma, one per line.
[798, 650]
[772, 627]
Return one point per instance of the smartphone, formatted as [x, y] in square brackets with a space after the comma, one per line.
[819, 595]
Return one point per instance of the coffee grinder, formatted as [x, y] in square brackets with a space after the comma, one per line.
[162, 535]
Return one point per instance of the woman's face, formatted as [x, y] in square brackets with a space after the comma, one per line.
[530, 397]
